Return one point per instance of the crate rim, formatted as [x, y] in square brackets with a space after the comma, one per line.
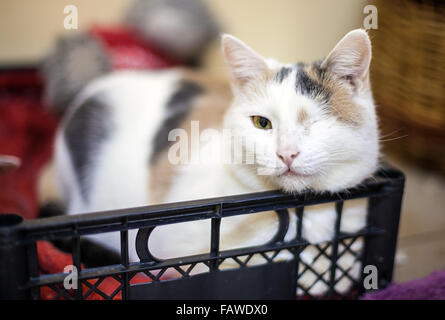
[183, 211]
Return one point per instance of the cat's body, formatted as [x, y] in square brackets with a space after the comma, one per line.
[112, 149]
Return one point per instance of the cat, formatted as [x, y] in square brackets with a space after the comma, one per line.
[305, 126]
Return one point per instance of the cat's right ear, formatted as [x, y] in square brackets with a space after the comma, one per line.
[243, 62]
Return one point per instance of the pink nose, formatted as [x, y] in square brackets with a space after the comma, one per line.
[288, 156]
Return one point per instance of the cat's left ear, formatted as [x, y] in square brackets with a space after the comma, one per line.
[351, 57]
[243, 62]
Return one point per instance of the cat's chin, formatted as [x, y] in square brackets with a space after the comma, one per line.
[293, 183]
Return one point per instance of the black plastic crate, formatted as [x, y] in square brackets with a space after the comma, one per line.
[20, 279]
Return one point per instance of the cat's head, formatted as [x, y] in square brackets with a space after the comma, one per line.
[306, 125]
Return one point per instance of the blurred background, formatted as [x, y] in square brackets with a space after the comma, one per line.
[407, 73]
[284, 29]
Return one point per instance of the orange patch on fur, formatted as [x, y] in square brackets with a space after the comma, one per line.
[209, 109]
[302, 116]
[340, 102]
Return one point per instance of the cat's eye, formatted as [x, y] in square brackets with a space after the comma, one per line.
[261, 122]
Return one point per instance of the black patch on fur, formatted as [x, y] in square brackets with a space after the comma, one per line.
[178, 106]
[282, 74]
[88, 127]
[307, 86]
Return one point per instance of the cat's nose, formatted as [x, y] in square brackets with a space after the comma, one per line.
[288, 156]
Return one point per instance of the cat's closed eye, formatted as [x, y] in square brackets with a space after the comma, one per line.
[261, 122]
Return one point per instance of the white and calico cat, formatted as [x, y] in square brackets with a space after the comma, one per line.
[307, 126]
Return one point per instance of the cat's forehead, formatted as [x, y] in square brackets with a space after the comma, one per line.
[305, 79]
[308, 88]
[291, 91]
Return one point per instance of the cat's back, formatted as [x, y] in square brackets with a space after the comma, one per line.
[126, 92]
[119, 124]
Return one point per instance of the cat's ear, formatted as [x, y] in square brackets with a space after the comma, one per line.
[351, 57]
[243, 62]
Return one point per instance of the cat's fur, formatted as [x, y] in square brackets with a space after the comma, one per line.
[112, 151]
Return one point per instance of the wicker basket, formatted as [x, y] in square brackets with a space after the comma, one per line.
[408, 75]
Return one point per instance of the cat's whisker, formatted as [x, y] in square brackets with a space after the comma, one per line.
[392, 139]
[391, 133]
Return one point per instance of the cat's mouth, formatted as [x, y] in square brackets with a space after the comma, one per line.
[293, 173]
